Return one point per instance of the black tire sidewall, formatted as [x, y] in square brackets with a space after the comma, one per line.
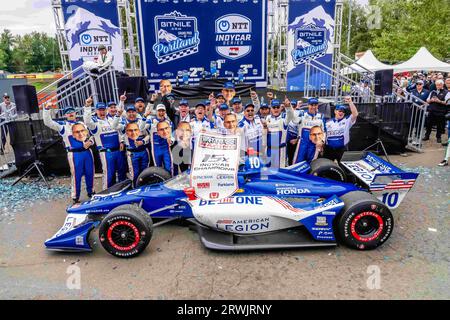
[158, 172]
[345, 224]
[144, 232]
[320, 166]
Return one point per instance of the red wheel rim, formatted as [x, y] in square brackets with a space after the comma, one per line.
[367, 226]
[123, 235]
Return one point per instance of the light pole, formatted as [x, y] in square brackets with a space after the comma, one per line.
[349, 25]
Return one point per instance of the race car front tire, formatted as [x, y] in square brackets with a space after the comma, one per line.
[126, 231]
[152, 175]
[328, 169]
[365, 223]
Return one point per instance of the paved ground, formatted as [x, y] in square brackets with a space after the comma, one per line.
[413, 264]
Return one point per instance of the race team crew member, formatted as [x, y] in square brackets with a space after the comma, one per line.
[305, 121]
[108, 143]
[237, 108]
[202, 120]
[137, 151]
[161, 139]
[131, 116]
[182, 148]
[338, 131]
[219, 118]
[264, 111]
[80, 158]
[252, 128]
[276, 125]
[182, 114]
[228, 92]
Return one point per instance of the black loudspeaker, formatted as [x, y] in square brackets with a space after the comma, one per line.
[26, 99]
[134, 86]
[383, 82]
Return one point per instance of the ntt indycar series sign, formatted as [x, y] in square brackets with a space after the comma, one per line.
[89, 24]
[215, 166]
[194, 35]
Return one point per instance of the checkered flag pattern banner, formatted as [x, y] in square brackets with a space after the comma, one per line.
[177, 55]
[309, 58]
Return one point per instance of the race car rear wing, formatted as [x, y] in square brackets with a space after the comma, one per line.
[387, 182]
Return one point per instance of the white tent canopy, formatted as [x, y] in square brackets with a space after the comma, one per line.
[423, 60]
[367, 62]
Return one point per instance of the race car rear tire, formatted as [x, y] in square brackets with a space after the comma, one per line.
[328, 169]
[365, 223]
[152, 175]
[126, 231]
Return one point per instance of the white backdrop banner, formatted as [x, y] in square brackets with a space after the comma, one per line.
[215, 166]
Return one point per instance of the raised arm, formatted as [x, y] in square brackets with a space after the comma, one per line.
[87, 115]
[353, 108]
[48, 121]
[255, 100]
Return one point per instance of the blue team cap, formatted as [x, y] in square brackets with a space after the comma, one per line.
[111, 103]
[207, 102]
[275, 103]
[229, 85]
[130, 108]
[294, 102]
[139, 99]
[236, 100]
[313, 101]
[219, 94]
[100, 105]
[249, 105]
[200, 104]
[223, 106]
[342, 107]
[68, 110]
[264, 106]
[184, 102]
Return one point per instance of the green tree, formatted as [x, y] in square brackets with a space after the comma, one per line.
[406, 25]
[6, 45]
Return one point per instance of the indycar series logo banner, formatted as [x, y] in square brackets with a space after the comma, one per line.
[193, 35]
[310, 37]
[215, 166]
[89, 24]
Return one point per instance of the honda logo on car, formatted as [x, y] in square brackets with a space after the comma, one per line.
[292, 190]
[257, 224]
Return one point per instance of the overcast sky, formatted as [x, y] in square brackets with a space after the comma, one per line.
[25, 16]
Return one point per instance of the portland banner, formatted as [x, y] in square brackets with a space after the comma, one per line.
[202, 35]
[310, 37]
[89, 24]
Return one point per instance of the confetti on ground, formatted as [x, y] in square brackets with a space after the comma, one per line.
[14, 199]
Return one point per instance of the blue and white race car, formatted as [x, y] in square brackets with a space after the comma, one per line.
[299, 206]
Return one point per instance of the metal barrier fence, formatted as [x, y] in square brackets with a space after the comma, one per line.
[341, 85]
[7, 159]
[74, 88]
[402, 120]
